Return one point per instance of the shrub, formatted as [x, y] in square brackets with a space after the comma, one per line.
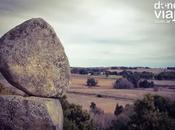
[150, 114]
[132, 77]
[102, 120]
[123, 83]
[95, 110]
[119, 124]
[122, 119]
[118, 109]
[146, 84]
[91, 81]
[165, 105]
[165, 76]
[75, 118]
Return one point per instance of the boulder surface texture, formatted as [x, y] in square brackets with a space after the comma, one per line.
[33, 60]
[30, 113]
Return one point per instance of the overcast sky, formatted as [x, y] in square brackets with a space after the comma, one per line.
[100, 32]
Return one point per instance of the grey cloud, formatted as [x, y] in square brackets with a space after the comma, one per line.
[123, 29]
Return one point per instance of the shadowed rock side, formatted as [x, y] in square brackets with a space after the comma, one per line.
[33, 60]
[30, 113]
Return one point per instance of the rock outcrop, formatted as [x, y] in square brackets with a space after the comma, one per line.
[36, 72]
[33, 60]
[30, 113]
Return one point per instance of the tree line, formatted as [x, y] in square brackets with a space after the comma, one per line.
[168, 75]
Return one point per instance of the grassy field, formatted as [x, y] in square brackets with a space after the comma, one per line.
[79, 81]
[105, 96]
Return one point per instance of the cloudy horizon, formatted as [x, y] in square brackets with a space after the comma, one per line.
[100, 32]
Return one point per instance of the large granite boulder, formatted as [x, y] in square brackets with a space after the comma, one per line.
[30, 113]
[33, 60]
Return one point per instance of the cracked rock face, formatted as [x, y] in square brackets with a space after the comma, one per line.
[33, 60]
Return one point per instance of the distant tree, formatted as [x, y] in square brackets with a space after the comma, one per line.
[165, 76]
[125, 73]
[123, 83]
[146, 84]
[114, 67]
[147, 67]
[146, 75]
[83, 71]
[171, 68]
[134, 78]
[91, 81]
[74, 70]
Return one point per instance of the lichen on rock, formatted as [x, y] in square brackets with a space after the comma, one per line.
[30, 113]
[33, 60]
